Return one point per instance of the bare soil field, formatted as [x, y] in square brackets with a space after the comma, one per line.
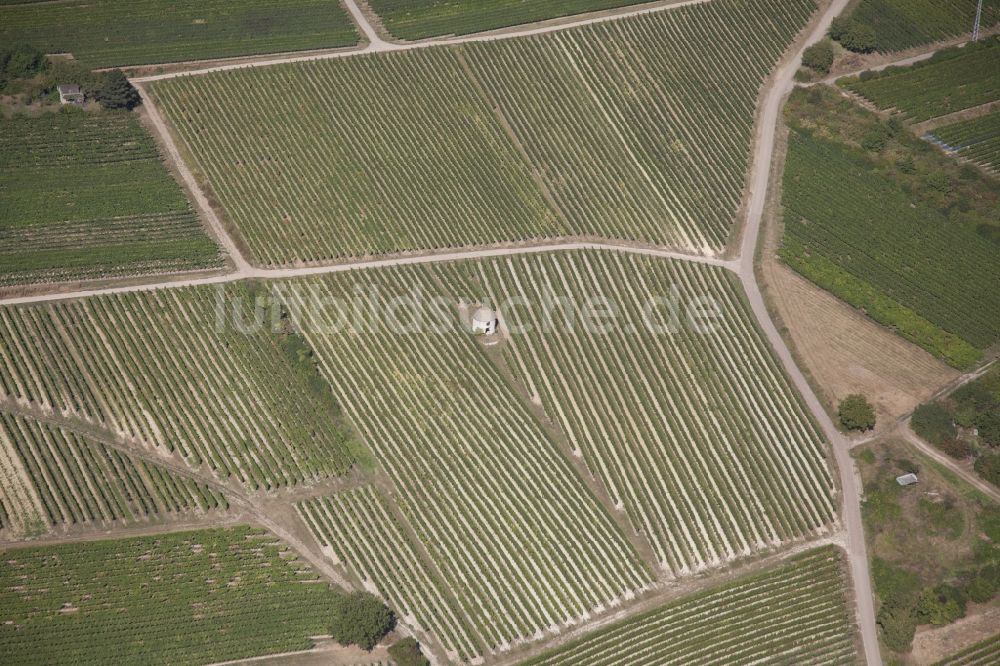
[931, 644]
[847, 353]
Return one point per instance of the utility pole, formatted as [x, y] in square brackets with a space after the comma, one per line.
[975, 27]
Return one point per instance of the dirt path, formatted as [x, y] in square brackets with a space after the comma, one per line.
[378, 45]
[946, 461]
[743, 265]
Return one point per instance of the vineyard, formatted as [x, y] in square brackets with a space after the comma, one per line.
[182, 598]
[984, 653]
[406, 156]
[977, 140]
[75, 479]
[902, 24]
[954, 79]
[86, 196]
[793, 614]
[159, 369]
[418, 19]
[634, 129]
[855, 232]
[357, 529]
[697, 436]
[514, 532]
[107, 33]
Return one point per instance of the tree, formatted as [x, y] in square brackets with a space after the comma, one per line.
[856, 413]
[819, 57]
[406, 652]
[956, 448]
[21, 61]
[859, 38]
[114, 91]
[933, 422]
[361, 619]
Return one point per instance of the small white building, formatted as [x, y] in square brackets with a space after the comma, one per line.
[485, 321]
[907, 479]
[70, 93]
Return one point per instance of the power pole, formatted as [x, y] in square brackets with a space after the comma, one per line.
[975, 27]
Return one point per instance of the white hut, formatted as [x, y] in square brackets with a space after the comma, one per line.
[485, 321]
[70, 93]
[906, 479]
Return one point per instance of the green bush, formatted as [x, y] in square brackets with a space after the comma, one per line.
[984, 584]
[856, 413]
[988, 467]
[933, 422]
[898, 624]
[941, 605]
[406, 652]
[859, 38]
[819, 57]
[988, 424]
[875, 139]
[361, 619]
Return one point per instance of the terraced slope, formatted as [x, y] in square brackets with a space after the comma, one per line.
[793, 614]
[172, 369]
[977, 139]
[86, 196]
[357, 529]
[107, 33]
[79, 480]
[206, 596]
[512, 529]
[690, 425]
[633, 129]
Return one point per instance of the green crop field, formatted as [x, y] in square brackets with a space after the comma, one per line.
[357, 528]
[183, 598]
[634, 407]
[984, 653]
[418, 19]
[158, 369]
[901, 24]
[882, 231]
[795, 613]
[952, 80]
[71, 478]
[514, 531]
[108, 33]
[977, 139]
[86, 196]
[631, 405]
[501, 142]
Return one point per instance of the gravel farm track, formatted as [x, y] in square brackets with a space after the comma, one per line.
[742, 264]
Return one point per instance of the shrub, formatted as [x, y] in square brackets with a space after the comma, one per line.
[988, 467]
[956, 448]
[875, 139]
[933, 422]
[898, 626]
[839, 27]
[361, 619]
[856, 413]
[941, 605]
[406, 652]
[984, 585]
[819, 57]
[988, 424]
[859, 38]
